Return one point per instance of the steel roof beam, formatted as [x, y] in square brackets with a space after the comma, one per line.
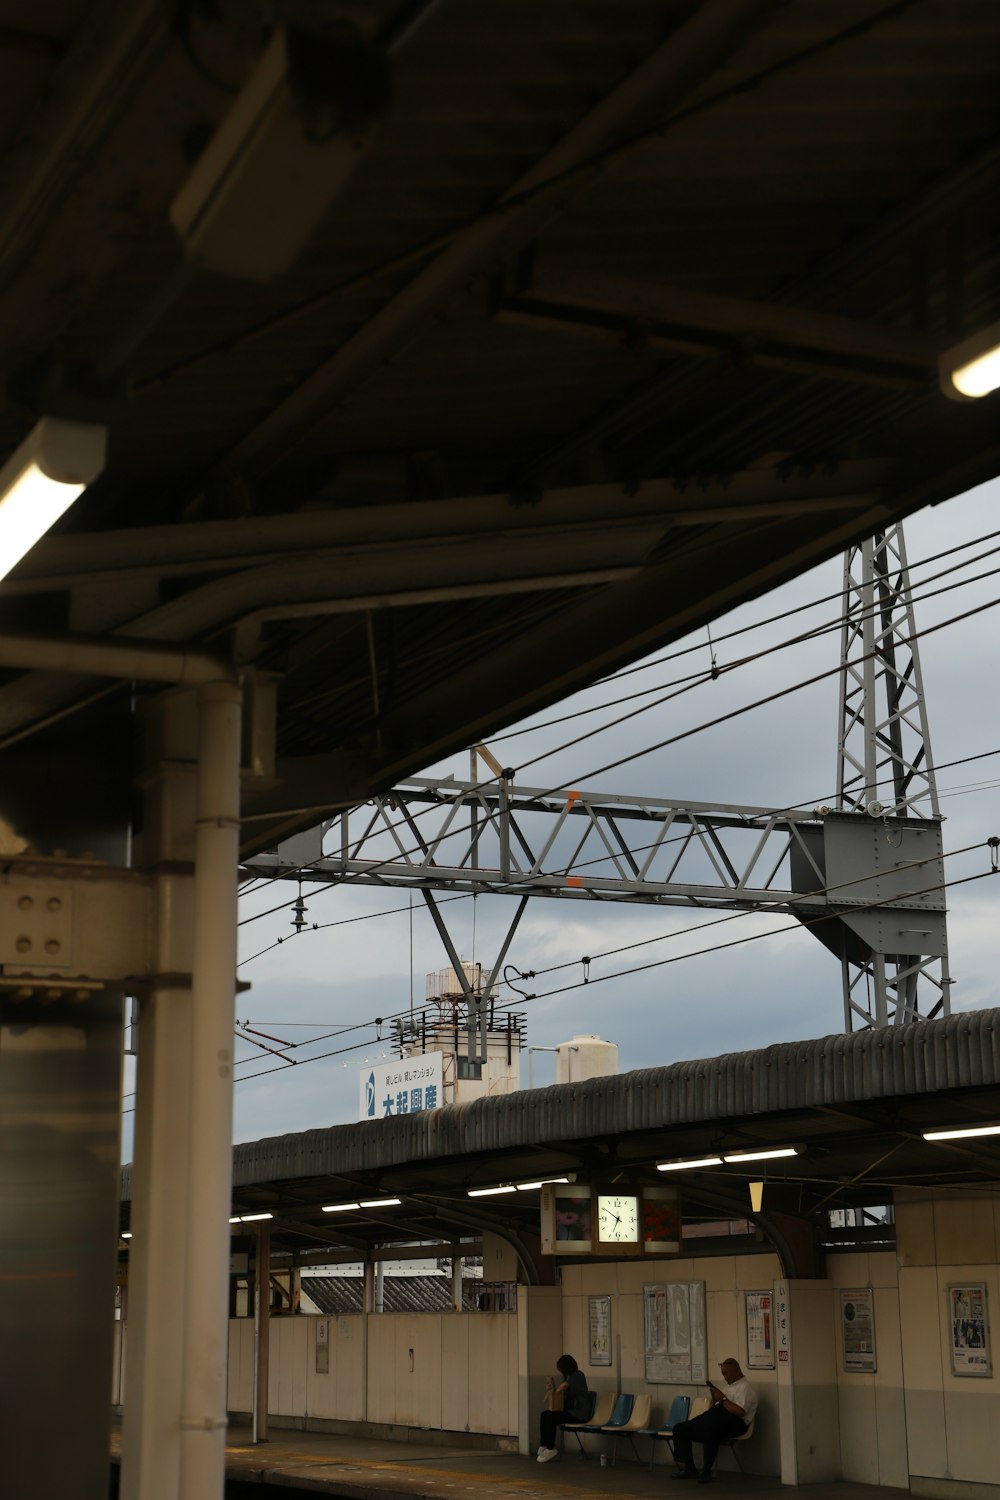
[672, 74]
[684, 321]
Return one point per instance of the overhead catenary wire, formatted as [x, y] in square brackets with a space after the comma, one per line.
[650, 749]
[695, 679]
[756, 910]
[626, 973]
[815, 632]
[393, 911]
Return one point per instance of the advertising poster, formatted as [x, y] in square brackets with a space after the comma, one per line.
[600, 1330]
[674, 1332]
[969, 1328]
[857, 1325]
[760, 1330]
[565, 1212]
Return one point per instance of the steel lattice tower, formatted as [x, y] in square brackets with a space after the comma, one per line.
[885, 769]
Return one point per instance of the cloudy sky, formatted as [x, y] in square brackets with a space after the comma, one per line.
[779, 988]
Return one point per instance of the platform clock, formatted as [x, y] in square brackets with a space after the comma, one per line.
[609, 1220]
[617, 1218]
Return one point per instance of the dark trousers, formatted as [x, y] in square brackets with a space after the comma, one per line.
[710, 1429]
[550, 1423]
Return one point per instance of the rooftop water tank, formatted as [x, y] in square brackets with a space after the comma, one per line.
[585, 1057]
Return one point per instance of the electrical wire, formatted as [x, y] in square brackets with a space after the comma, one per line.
[757, 910]
[638, 754]
[643, 968]
[701, 676]
[713, 672]
[736, 713]
[642, 848]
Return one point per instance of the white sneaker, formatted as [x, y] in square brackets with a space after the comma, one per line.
[546, 1455]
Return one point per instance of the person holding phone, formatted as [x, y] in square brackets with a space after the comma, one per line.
[730, 1414]
[575, 1405]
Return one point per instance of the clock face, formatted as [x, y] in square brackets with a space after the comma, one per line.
[618, 1218]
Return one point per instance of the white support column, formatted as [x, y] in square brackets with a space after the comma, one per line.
[808, 1404]
[261, 1333]
[152, 1400]
[539, 1344]
[209, 1159]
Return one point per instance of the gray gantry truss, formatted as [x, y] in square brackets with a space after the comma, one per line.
[865, 877]
[884, 769]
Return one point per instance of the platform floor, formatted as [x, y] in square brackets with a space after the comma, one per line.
[379, 1469]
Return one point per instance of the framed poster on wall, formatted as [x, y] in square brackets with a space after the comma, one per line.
[969, 1328]
[673, 1322]
[759, 1310]
[600, 1330]
[857, 1329]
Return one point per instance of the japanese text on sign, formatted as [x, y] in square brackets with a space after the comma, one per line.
[407, 1086]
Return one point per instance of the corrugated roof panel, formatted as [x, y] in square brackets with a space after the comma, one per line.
[960, 1051]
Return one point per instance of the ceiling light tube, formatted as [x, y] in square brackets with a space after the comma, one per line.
[126, 1234]
[527, 1187]
[971, 369]
[235, 1219]
[491, 1192]
[960, 1133]
[42, 478]
[252, 1218]
[340, 1208]
[380, 1203]
[687, 1166]
[763, 1155]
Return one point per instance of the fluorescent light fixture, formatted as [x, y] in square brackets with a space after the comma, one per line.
[527, 1187]
[252, 1218]
[380, 1203]
[235, 1219]
[42, 478]
[268, 175]
[126, 1234]
[961, 1134]
[341, 1208]
[972, 368]
[687, 1166]
[765, 1155]
[491, 1192]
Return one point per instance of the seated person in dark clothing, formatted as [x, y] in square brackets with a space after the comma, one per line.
[575, 1402]
[729, 1416]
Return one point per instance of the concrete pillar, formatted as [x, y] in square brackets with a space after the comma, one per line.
[808, 1405]
[175, 1391]
[60, 1066]
[152, 1400]
[210, 1143]
[539, 1345]
[261, 1333]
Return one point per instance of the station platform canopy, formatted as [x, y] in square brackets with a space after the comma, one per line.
[855, 1107]
[613, 316]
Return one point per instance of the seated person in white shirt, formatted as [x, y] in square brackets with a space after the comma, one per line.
[731, 1412]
